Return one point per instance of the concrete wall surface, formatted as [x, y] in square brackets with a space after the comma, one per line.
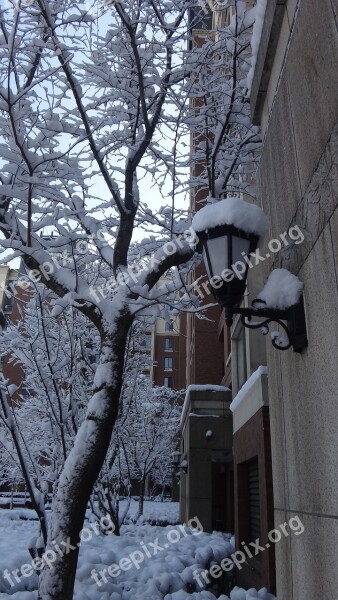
[206, 439]
[298, 182]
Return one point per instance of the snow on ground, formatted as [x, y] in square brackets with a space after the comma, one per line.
[146, 562]
[153, 510]
[15, 533]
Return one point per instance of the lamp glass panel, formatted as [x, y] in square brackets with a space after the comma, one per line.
[218, 255]
[239, 246]
[206, 263]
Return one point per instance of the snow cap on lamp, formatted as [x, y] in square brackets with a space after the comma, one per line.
[232, 211]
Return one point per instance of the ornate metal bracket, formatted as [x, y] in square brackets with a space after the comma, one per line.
[294, 328]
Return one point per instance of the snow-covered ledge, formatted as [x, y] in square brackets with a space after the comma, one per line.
[204, 400]
[264, 57]
[250, 398]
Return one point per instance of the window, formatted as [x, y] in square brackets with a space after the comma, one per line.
[168, 344]
[250, 510]
[167, 382]
[169, 326]
[146, 342]
[26, 391]
[9, 303]
[168, 364]
[253, 497]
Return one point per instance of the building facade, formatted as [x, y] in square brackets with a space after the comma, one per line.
[168, 352]
[294, 98]
[253, 487]
[228, 357]
[206, 486]
[12, 297]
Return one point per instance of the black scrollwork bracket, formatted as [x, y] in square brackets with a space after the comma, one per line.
[294, 328]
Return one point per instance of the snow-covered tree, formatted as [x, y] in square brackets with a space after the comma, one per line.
[56, 360]
[23, 458]
[40, 418]
[150, 432]
[10, 473]
[91, 115]
[225, 145]
[115, 478]
[144, 435]
[162, 478]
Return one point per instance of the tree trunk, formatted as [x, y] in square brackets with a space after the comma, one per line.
[83, 466]
[141, 499]
[116, 522]
[114, 515]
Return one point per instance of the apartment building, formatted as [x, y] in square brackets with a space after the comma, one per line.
[169, 352]
[8, 277]
[206, 486]
[10, 299]
[239, 458]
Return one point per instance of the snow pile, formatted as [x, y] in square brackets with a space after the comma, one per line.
[238, 399]
[252, 594]
[16, 530]
[206, 387]
[257, 29]
[279, 339]
[231, 211]
[154, 511]
[158, 576]
[282, 290]
[170, 557]
[181, 595]
[20, 596]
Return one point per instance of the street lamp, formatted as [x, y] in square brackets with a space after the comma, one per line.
[227, 233]
[222, 247]
[177, 464]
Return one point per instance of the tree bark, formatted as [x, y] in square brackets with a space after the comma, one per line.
[83, 466]
[141, 498]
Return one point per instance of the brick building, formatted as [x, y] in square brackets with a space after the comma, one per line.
[11, 298]
[169, 352]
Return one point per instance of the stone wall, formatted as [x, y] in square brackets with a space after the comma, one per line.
[298, 182]
[207, 411]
